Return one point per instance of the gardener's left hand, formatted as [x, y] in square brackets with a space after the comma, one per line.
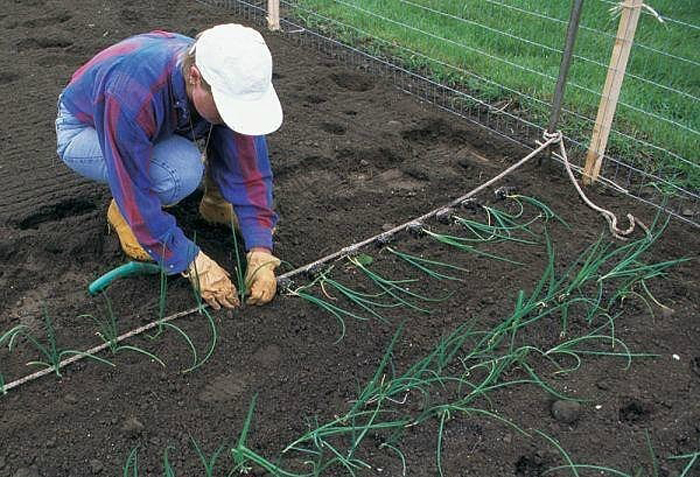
[260, 280]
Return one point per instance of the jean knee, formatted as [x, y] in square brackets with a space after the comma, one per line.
[79, 148]
[178, 170]
[190, 177]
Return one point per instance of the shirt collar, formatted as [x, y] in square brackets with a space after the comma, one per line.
[178, 82]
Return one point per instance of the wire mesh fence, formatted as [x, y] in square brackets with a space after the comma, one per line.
[495, 64]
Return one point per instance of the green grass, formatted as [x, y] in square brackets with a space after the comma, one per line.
[477, 46]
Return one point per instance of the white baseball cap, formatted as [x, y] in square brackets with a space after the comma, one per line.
[237, 64]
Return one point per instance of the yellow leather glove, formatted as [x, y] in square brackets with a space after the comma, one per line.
[260, 276]
[212, 281]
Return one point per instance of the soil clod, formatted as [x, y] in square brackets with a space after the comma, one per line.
[566, 411]
[132, 427]
[27, 472]
[70, 398]
[635, 411]
[531, 465]
[96, 466]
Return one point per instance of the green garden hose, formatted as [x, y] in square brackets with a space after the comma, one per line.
[126, 270]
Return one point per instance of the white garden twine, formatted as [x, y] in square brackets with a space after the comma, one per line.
[616, 10]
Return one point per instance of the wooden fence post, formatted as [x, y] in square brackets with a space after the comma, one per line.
[273, 15]
[631, 10]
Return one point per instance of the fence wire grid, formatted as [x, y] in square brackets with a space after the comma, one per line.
[479, 98]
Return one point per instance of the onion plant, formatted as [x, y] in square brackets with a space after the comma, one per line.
[488, 232]
[168, 470]
[397, 289]
[499, 226]
[428, 266]
[169, 325]
[131, 467]
[338, 312]
[574, 468]
[162, 301]
[622, 269]
[3, 391]
[462, 244]
[202, 307]
[366, 301]
[162, 296]
[239, 458]
[244, 458]
[597, 468]
[486, 355]
[467, 366]
[652, 454]
[561, 451]
[162, 324]
[692, 458]
[108, 333]
[390, 294]
[212, 345]
[50, 351]
[545, 211]
[241, 285]
[11, 335]
[241, 269]
[207, 462]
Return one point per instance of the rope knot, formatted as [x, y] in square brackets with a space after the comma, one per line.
[555, 136]
[616, 10]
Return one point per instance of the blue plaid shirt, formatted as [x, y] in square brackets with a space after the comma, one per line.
[133, 94]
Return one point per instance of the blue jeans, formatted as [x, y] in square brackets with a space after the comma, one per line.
[176, 166]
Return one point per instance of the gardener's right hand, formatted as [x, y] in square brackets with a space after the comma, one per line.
[212, 281]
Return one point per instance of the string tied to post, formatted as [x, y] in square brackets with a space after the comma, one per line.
[610, 217]
[616, 10]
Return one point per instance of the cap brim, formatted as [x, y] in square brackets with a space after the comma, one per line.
[252, 118]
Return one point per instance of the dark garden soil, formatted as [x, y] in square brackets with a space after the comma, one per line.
[354, 156]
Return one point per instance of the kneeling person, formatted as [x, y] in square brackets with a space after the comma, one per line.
[130, 118]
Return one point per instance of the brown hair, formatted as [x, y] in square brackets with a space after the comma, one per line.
[188, 62]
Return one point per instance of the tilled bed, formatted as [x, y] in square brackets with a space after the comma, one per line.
[354, 157]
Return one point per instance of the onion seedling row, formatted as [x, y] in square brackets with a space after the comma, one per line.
[108, 326]
[396, 293]
[376, 413]
[50, 351]
[469, 365]
[54, 357]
